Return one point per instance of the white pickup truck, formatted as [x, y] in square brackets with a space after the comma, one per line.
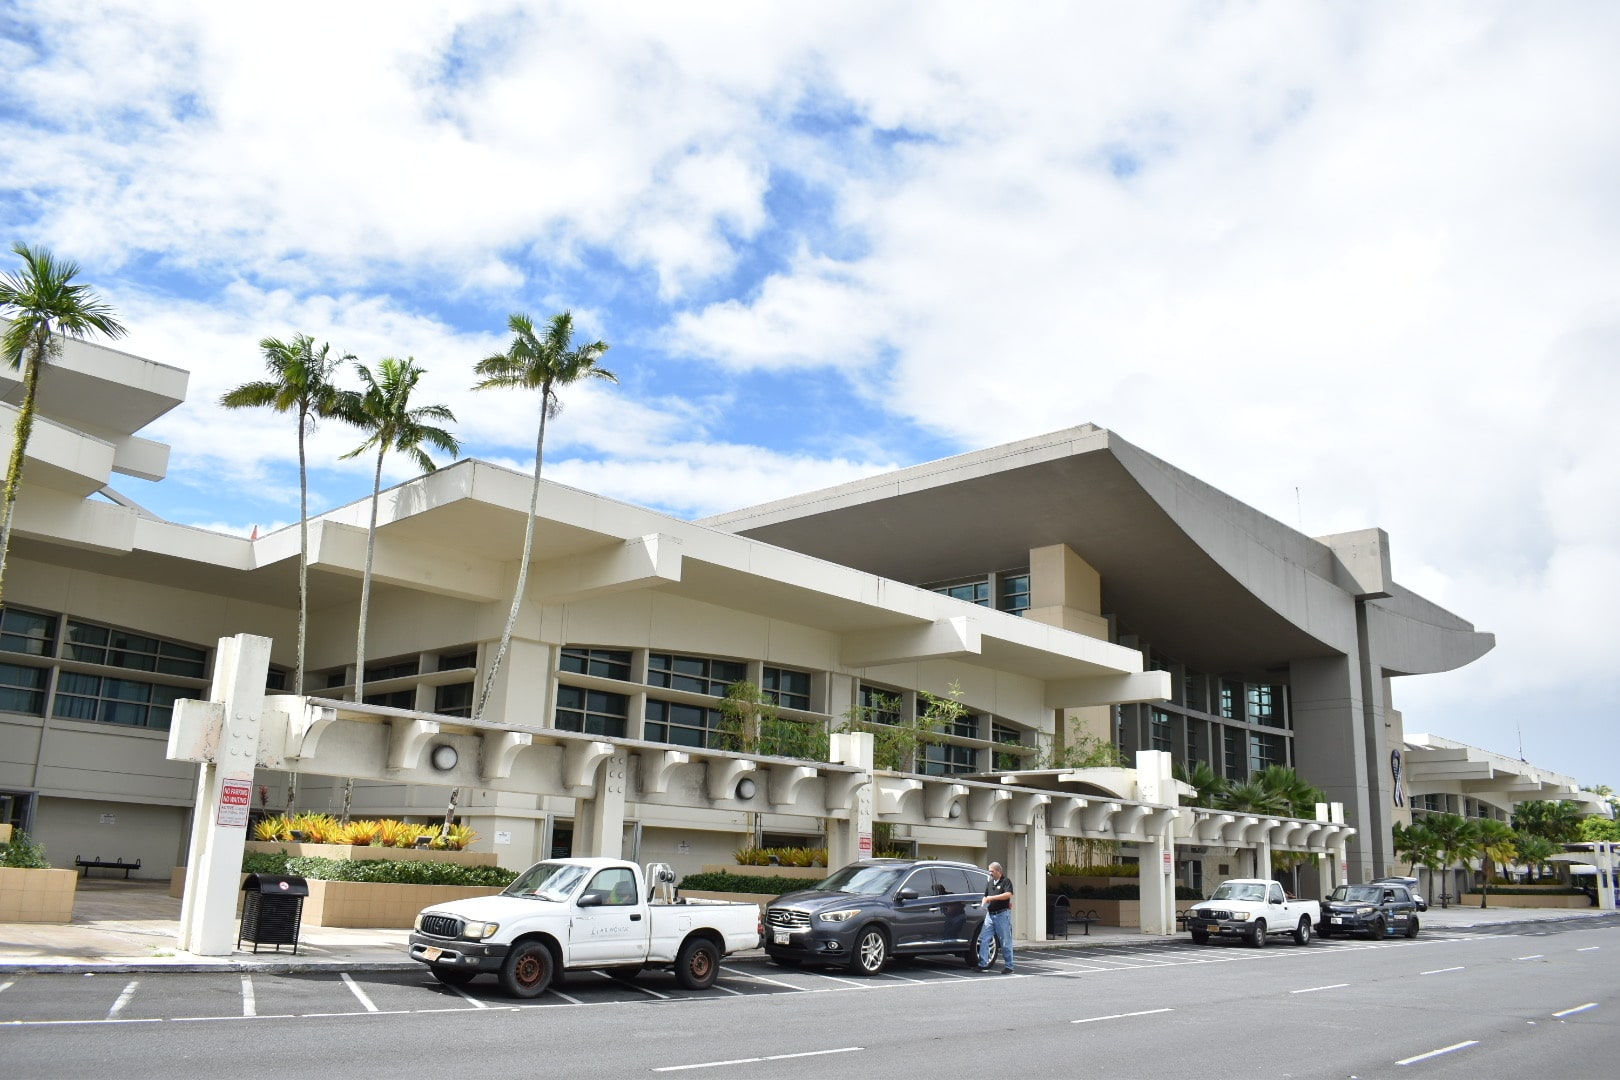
[582, 914]
[1252, 909]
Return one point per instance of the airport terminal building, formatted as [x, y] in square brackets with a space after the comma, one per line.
[1065, 584]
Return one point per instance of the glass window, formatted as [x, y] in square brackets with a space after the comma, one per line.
[393, 669]
[1231, 699]
[1266, 706]
[92, 644]
[1015, 593]
[1159, 731]
[27, 632]
[880, 706]
[116, 701]
[965, 726]
[454, 700]
[948, 760]
[952, 880]
[976, 591]
[593, 711]
[1266, 750]
[615, 886]
[602, 663]
[789, 689]
[457, 661]
[22, 689]
[399, 699]
[683, 725]
[1232, 753]
[1011, 736]
[694, 674]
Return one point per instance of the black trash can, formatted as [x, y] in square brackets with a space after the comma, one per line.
[272, 910]
[1057, 916]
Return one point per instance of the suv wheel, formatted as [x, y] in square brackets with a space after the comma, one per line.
[871, 952]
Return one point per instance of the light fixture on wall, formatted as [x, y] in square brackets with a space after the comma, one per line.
[746, 788]
[956, 810]
[444, 757]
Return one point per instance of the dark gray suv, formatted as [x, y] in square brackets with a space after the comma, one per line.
[877, 908]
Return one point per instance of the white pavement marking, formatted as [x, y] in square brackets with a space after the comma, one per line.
[358, 993]
[753, 1060]
[775, 982]
[1576, 1009]
[250, 1007]
[5, 986]
[644, 990]
[123, 999]
[1437, 1053]
[565, 997]
[1440, 971]
[468, 997]
[1590, 948]
[1314, 989]
[1120, 1016]
[1536, 956]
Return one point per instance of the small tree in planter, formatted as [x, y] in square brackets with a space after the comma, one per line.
[24, 853]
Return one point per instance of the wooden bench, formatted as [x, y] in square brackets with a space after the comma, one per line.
[102, 864]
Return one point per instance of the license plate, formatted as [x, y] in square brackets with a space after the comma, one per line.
[783, 937]
[432, 953]
[1337, 921]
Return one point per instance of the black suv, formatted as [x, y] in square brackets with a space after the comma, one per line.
[1376, 909]
[877, 908]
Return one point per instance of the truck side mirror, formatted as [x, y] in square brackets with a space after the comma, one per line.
[590, 899]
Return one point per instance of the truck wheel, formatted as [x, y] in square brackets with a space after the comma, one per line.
[528, 969]
[1200, 937]
[871, 951]
[1257, 938]
[452, 976]
[1302, 932]
[1378, 929]
[697, 965]
[1412, 927]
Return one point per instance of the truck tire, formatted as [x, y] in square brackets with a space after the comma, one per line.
[697, 965]
[1378, 930]
[451, 976]
[1412, 927]
[1257, 937]
[1302, 932]
[871, 951]
[1200, 937]
[528, 969]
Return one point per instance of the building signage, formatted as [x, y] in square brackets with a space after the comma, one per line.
[235, 796]
[866, 845]
[1168, 865]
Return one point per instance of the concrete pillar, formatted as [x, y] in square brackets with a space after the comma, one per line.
[1026, 868]
[1340, 746]
[599, 821]
[224, 794]
[1157, 879]
[850, 838]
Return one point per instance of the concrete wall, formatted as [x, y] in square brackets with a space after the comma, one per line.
[113, 830]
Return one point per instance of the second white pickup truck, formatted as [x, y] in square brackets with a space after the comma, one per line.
[1252, 909]
[582, 914]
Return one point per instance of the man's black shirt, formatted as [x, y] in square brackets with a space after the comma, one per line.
[996, 887]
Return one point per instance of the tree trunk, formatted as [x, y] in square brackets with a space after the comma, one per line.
[21, 433]
[365, 606]
[523, 564]
[303, 549]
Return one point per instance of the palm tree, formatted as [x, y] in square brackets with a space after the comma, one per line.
[1453, 842]
[1558, 821]
[547, 364]
[1493, 847]
[1416, 844]
[382, 408]
[1300, 797]
[44, 305]
[1253, 797]
[1533, 852]
[1207, 787]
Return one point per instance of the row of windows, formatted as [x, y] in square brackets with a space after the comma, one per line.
[695, 674]
[33, 633]
[1012, 591]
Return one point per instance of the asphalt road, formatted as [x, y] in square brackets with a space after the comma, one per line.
[1528, 1000]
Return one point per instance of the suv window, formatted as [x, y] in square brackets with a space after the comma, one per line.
[954, 879]
[921, 882]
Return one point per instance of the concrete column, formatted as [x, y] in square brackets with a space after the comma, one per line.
[224, 792]
[1335, 750]
[850, 838]
[1157, 879]
[599, 821]
[1027, 870]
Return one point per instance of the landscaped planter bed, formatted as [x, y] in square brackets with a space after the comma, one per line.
[37, 896]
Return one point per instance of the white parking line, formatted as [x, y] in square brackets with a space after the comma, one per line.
[1439, 971]
[773, 982]
[468, 997]
[123, 999]
[1536, 956]
[753, 1060]
[358, 993]
[644, 990]
[5, 986]
[1576, 1009]
[249, 1006]
[571, 1000]
[1314, 989]
[1437, 1053]
[1120, 1016]
[1590, 948]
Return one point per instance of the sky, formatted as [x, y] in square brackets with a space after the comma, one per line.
[1352, 264]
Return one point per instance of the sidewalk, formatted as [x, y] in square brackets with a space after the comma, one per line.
[121, 926]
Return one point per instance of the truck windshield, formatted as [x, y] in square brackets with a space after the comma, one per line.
[547, 881]
[1239, 890]
[863, 880]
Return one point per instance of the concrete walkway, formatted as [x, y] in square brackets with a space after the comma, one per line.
[121, 926]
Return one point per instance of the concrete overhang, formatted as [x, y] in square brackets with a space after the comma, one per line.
[95, 388]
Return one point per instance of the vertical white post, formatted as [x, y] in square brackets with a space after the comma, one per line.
[224, 792]
[845, 835]
[599, 821]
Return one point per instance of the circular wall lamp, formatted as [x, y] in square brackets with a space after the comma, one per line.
[956, 810]
[746, 788]
[444, 757]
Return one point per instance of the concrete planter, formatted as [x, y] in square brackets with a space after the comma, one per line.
[1504, 901]
[809, 873]
[377, 904]
[736, 897]
[37, 896]
[372, 852]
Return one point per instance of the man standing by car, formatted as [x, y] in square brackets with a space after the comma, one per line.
[998, 894]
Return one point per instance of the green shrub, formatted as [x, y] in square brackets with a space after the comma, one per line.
[24, 853]
[721, 881]
[386, 871]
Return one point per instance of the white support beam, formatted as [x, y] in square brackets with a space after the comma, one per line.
[724, 775]
[500, 751]
[784, 783]
[939, 640]
[1065, 813]
[580, 760]
[1025, 806]
[843, 789]
[654, 559]
[892, 793]
[1211, 828]
[938, 799]
[1108, 690]
[657, 766]
[306, 723]
[984, 802]
[407, 738]
[1096, 817]
[1128, 821]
